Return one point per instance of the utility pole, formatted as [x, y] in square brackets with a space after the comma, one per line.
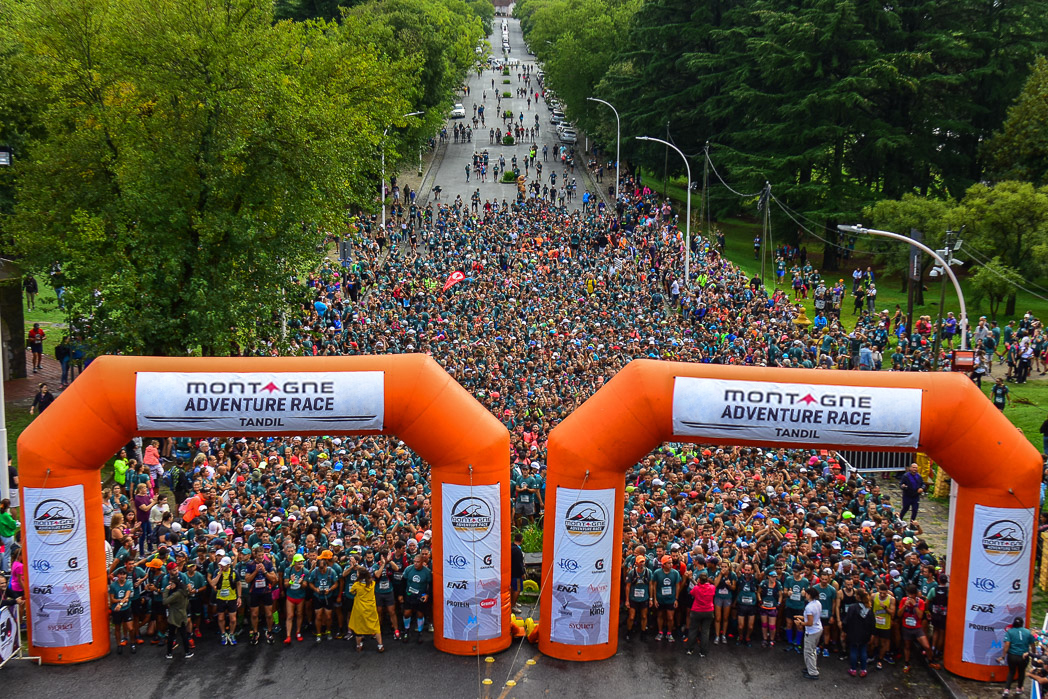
[666, 166]
[913, 276]
[952, 245]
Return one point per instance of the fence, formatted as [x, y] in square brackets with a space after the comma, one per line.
[878, 461]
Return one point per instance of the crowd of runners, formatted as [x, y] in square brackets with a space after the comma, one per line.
[317, 538]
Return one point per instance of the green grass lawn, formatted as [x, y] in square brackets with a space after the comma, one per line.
[739, 236]
[48, 314]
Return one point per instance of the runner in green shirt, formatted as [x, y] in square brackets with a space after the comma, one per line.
[295, 586]
[120, 592]
[418, 581]
[638, 595]
[666, 582]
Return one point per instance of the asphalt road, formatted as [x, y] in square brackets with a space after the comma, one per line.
[449, 165]
[640, 669]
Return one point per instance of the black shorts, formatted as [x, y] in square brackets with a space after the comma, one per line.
[260, 599]
[414, 604]
[747, 610]
[121, 616]
[882, 633]
[666, 606]
[140, 606]
[638, 604]
[196, 606]
[322, 602]
[386, 599]
[225, 606]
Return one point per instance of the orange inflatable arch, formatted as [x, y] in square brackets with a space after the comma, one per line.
[61, 452]
[996, 475]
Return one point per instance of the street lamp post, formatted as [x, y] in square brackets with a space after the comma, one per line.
[942, 263]
[687, 222]
[618, 136]
[5, 485]
[382, 183]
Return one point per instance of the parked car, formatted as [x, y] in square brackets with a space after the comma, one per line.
[569, 136]
[557, 117]
[458, 112]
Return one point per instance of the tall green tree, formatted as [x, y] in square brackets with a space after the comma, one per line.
[1020, 150]
[188, 159]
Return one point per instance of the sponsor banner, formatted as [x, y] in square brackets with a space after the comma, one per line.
[56, 553]
[9, 636]
[760, 411]
[998, 579]
[260, 401]
[472, 565]
[581, 581]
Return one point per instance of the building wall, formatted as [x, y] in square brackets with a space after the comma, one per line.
[12, 329]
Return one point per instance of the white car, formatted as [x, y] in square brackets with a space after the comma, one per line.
[459, 112]
[557, 117]
[569, 136]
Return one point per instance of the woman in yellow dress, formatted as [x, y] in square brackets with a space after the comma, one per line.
[364, 621]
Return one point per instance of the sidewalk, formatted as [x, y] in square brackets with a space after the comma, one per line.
[18, 390]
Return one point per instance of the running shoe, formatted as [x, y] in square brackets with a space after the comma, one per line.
[905, 668]
[853, 673]
[716, 640]
[396, 634]
[169, 656]
[825, 652]
[189, 654]
[287, 640]
[224, 640]
[298, 637]
[269, 638]
[319, 638]
[658, 636]
[862, 673]
[134, 648]
[670, 638]
[232, 640]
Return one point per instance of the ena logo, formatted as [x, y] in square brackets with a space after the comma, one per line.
[42, 590]
[984, 608]
[570, 589]
[458, 585]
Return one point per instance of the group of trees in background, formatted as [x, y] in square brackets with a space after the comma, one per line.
[179, 161]
[838, 104]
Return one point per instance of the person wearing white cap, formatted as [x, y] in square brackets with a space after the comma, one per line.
[226, 585]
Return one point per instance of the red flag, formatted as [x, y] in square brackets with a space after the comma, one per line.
[454, 279]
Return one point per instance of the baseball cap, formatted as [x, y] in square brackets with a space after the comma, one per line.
[225, 561]
[326, 554]
[666, 559]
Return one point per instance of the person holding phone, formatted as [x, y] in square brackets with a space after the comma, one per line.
[226, 584]
[384, 569]
[811, 622]
[260, 577]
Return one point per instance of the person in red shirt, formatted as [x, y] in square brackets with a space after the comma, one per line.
[36, 344]
[701, 617]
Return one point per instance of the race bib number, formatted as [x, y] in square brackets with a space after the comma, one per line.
[880, 619]
[638, 593]
[910, 622]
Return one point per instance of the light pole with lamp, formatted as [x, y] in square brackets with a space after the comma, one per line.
[942, 263]
[5, 485]
[687, 222]
[382, 183]
[618, 136]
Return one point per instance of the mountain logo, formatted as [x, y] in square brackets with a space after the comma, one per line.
[1003, 542]
[586, 522]
[472, 518]
[55, 521]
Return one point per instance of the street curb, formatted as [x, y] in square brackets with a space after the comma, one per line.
[946, 679]
[434, 163]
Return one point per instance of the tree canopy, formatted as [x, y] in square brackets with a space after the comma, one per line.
[180, 160]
